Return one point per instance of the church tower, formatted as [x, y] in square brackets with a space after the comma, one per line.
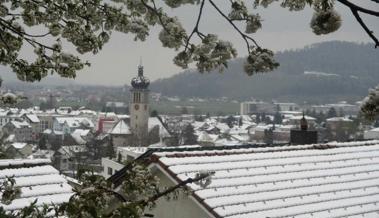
[139, 107]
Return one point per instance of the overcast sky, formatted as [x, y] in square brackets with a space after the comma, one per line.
[117, 63]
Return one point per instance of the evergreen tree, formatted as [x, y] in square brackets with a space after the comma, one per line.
[189, 137]
[268, 136]
[341, 113]
[42, 142]
[258, 118]
[278, 118]
[154, 113]
[199, 118]
[110, 148]
[308, 112]
[267, 120]
[313, 113]
[331, 113]
[184, 110]
[230, 120]
[320, 117]
[278, 108]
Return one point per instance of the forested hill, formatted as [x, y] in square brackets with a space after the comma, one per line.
[326, 71]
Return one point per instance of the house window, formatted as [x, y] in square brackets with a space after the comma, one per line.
[110, 171]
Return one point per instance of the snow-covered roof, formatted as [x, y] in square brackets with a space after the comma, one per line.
[10, 138]
[121, 128]
[55, 132]
[205, 137]
[301, 117]
[373, 130]
[18, 124]
[42, 154]
[227, 142]
[43, 183]
[223, 127]
[33, 118]
[153, 122]
[330, 180]
[22, 162]
[74, 122]
[339, 119]
[139, 150]
[115, 104]
[81, 132]
[71, 150]
[18, 145]
[123, 116]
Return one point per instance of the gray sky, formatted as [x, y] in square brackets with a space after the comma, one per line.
[117, 63]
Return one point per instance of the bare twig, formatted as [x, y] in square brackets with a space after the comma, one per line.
[364, 26]
[355, 9]
[173, 188]
[359, 8]
[244, 36]
[196, 27]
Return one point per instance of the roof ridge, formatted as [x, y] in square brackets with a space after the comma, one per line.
[229, 150]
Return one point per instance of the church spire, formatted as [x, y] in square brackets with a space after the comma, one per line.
[140, 71]
[140, 68]
[140, 82]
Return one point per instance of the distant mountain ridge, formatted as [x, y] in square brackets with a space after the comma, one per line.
[327, 71]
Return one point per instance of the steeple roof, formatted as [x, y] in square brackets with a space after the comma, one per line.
[140, 82]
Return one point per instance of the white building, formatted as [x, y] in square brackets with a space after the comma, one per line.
[123, 155]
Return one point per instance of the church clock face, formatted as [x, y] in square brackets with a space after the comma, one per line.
[136, 107]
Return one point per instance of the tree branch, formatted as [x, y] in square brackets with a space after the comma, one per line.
[364, 26]
[196, 28]
[172, 189]
[23, 35]
[9, 25]
[244, 36]
[355, 9]
[359, 8]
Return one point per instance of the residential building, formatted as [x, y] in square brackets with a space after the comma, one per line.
[6, 116]
[19, 150]
[325, 180]
[67, 158]
[257, 107]
[38, 181]
[69, 124]
[123, 155]
[34, 122]
[22, 131]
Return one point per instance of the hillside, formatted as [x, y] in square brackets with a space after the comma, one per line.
[323, 72]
